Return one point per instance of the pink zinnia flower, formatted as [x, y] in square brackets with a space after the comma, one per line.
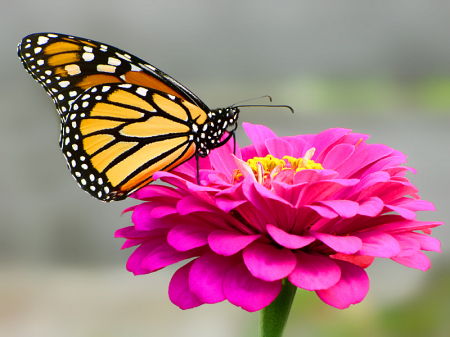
[315, 209]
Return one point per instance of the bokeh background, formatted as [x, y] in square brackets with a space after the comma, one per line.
[377, 67]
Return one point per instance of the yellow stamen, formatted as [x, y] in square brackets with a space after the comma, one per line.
[305, 163]
[269, 162]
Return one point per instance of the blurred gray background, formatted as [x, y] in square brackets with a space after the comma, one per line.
[377, 67]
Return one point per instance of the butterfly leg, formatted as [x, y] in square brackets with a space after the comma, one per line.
[197, 158]
[234, 142]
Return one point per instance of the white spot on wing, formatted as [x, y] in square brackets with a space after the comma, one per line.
[106, 68]
[88, 57]
[142, 91]
[42, 40]
[135, 67]
[113, 61]
[72, 69]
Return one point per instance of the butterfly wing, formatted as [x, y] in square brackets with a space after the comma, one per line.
[66, 66]
[116, 136]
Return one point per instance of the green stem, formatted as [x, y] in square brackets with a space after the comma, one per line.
[275, 315]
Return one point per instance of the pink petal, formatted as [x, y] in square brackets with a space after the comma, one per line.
[298, 144]
[353, 163]
[274, 208]
[152, 191]
[191, 204]
[279, 147]
[341, 244]
[268, 262]
[409, 225]
[312, 176]
[188, 236]
[258, 134]
[181, 183]
[408, 245]
[133, 242]
[344, 208]
[287, 240]
[134, 263]
[323, 211]
[207, 275]
[362, 261]
[222, 160]
[375, 152]
[231, 197]
[162, 211]
[248, 152]
[323, 140]
[371, 207]
[228, 243]
[165, 255]
[130, 233]
[129, 209]
[246, 291]
[179, 292]
[405, 213]
[290, 193]
[378, 244]
[418, 260]
[352, 287]
[393, 190]
[244, 168]
[323, 189]
[314, 272]
[337, 155]
[414, 204]
[426, 242]
[365, 189]
[189, 168]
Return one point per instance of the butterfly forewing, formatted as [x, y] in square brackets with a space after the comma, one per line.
[66, 66]
[117, 135]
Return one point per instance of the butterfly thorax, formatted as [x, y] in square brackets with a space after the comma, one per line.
[210, 134]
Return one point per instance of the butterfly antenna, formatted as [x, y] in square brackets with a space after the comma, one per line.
[265, 106]
[251, 99]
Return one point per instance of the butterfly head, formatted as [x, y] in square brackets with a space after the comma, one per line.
[220, 121]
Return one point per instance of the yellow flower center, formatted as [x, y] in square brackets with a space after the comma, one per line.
[298, 164]
[269, 165]
[268, 162]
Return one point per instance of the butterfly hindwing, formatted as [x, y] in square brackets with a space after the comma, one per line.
[66, 66]
[117, 135]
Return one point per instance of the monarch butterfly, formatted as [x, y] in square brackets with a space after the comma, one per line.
[122, 119]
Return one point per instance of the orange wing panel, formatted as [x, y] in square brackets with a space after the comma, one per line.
[141, 78]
